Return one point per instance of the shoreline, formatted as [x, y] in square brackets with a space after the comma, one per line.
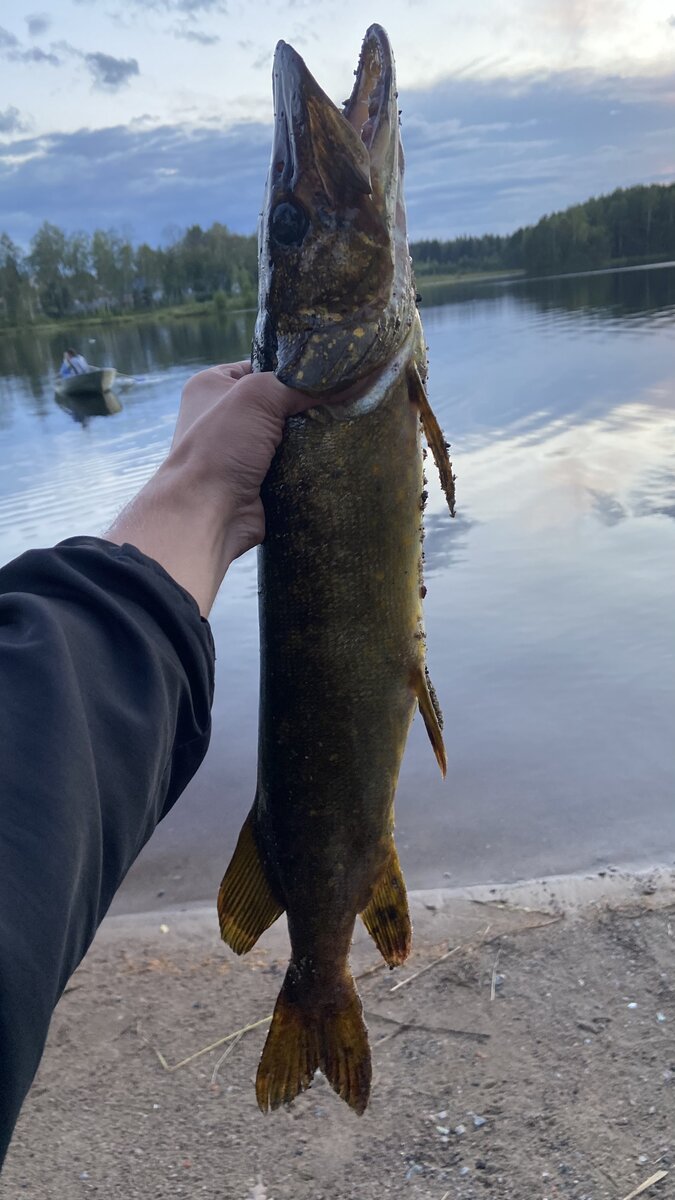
[170, 313]
[207, 308]
[555, 894]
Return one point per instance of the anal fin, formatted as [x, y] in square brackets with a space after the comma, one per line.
[431, 715]
[386, 917]
[246, 904]
[434, 435]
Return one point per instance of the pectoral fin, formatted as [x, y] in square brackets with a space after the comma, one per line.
[431, 715]
[434, 435]
[386, 917]
[246, 904]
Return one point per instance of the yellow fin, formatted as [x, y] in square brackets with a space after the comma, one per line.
[310, 1032]
[386, 917]
[434, 435]
[431, 715]
[246, 905]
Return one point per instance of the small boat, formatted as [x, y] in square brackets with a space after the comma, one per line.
[95, 381]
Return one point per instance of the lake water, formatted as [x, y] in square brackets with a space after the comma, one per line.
[550, 612]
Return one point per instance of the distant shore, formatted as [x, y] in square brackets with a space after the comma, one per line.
[426, 281]
[208, 308]
[194, 308]
[617, 264]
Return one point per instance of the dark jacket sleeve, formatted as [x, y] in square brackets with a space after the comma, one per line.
[106, 677]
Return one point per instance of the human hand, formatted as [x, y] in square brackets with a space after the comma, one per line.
[229, 425]
[202, 509]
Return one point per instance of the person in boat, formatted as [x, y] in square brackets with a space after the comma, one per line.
[107, 661]
[66, 369]
[78, 362]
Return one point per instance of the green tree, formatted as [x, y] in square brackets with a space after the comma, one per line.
[48, 263]
[16, 293]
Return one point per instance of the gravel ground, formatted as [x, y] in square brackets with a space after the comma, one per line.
[531, 1058]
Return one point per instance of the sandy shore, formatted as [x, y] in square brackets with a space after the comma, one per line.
[527, 1052]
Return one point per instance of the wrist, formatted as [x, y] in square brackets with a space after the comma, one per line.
[186, 523]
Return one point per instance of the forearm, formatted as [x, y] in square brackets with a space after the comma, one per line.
[107, 677]
[185, 524]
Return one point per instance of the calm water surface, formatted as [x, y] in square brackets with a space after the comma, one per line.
[550, 602]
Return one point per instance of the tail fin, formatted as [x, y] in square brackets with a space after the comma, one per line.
[307, 1034]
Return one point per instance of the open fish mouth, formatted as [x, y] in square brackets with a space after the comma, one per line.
[309, 125]
[372, 91]
[336, 293]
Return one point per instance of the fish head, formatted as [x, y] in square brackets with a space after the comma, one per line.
[336, 296]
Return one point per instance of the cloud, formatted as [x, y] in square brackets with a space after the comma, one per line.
[492, 155]
[110, 73]
[480, 157]
[194, 6]
[35, 54]
[263, 61]
[11, 50]
[164, 176]
[11, 121]
[195, 35]
[183, 7]
[38, 23]
[7, 40]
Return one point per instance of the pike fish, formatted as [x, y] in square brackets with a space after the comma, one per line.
[340, 570]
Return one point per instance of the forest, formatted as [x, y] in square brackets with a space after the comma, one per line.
[68, 275]
[65, 275]
[631, 225]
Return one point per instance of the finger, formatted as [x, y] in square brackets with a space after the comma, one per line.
[235, 370]
[291, 401]
[263, 388]
[214, 377]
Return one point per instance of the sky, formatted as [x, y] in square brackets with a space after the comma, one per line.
[151, 115]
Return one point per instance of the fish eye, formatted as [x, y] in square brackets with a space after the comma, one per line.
[289, 223]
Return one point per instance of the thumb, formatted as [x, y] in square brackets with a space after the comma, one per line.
[264, 388]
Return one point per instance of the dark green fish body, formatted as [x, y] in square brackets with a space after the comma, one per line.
[340, 576]
[341, 645]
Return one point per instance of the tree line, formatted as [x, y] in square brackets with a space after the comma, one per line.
[630, 225]
[102, 273]
[64, 275]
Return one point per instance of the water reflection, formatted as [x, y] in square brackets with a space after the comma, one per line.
[633, 297]
[136, 348]
[445, 540]
[83, 408]
[658, 495]
[617, 467]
